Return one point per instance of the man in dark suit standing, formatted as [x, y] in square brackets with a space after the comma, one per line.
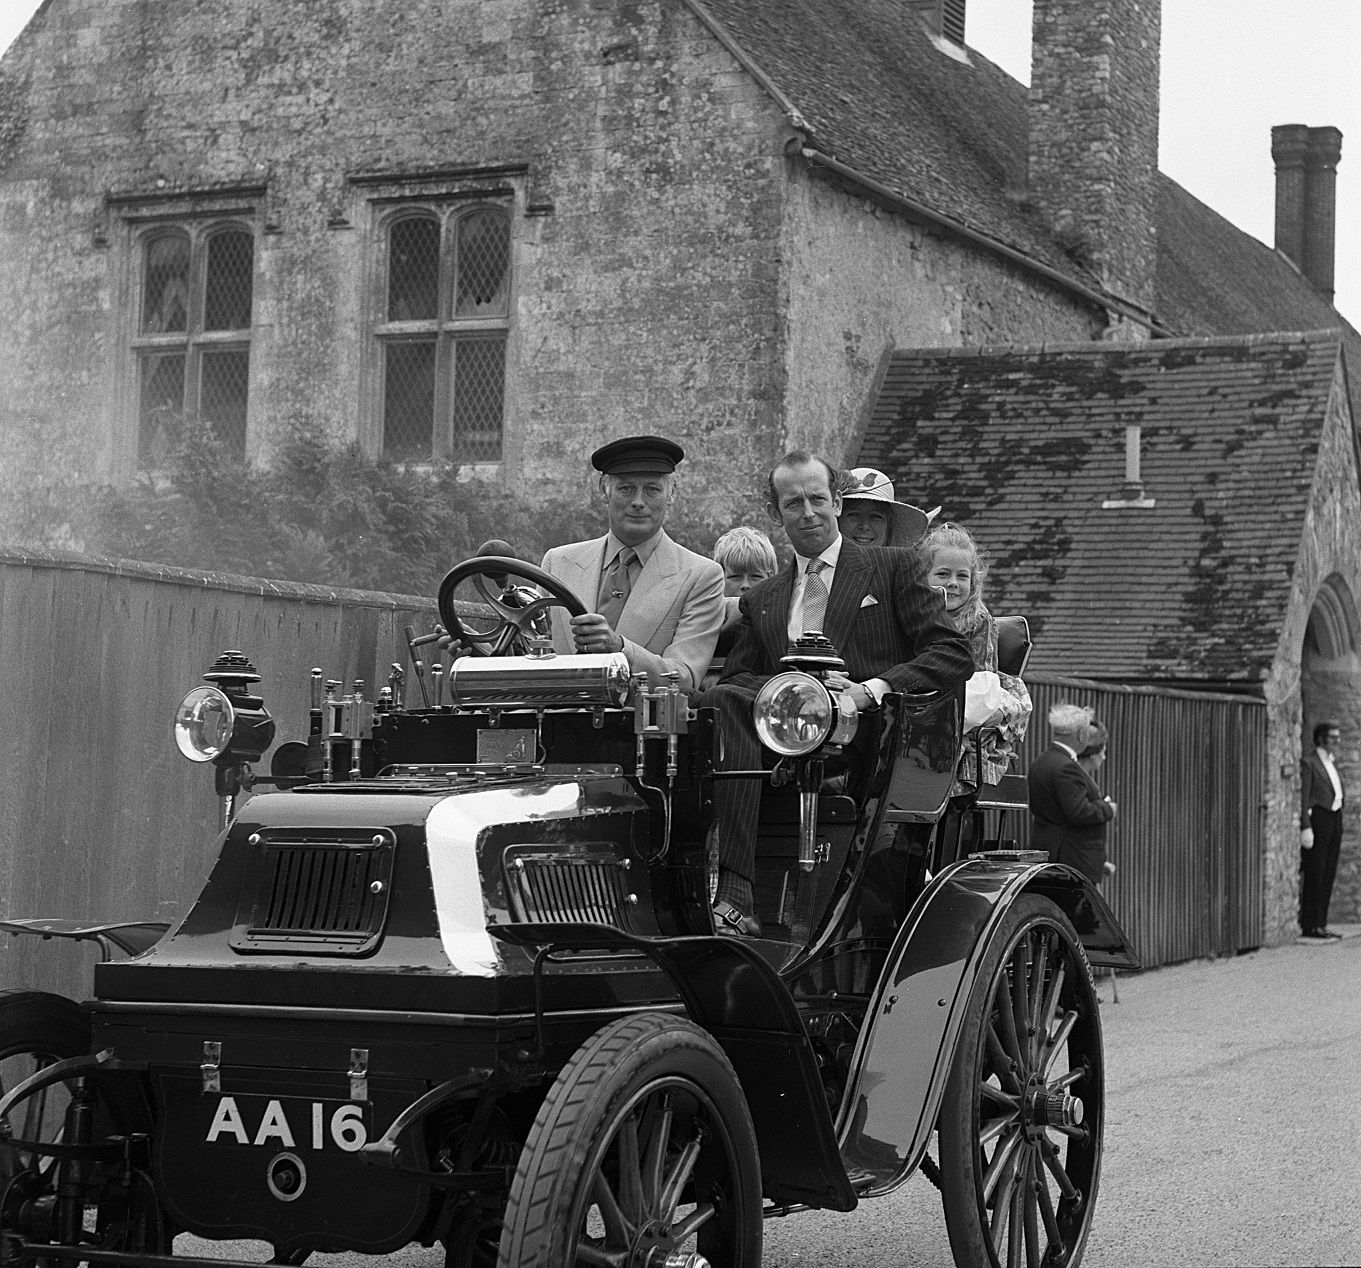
[873, 604]
[1321, 803]
[1068, 814]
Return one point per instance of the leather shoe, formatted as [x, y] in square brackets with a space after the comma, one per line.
[732, 922]
[1327, 933]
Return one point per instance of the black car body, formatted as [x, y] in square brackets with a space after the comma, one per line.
[457, 981]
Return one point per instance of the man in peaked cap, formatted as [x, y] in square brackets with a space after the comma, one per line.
[644, 594]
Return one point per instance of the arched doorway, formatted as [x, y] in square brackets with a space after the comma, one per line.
[1330, 691]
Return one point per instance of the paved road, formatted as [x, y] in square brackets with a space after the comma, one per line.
[1234, 1116]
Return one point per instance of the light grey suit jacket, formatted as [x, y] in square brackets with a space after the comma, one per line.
[673, 614]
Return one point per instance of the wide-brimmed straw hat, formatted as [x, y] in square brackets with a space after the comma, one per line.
[908, 522]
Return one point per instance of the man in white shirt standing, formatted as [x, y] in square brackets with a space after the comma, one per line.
[1321, 804]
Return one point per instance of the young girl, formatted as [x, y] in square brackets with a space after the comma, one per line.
[955, 565]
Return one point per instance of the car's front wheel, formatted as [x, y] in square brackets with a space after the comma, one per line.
[642, 1154]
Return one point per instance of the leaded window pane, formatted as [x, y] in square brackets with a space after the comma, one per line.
[165, 294]
[413, 270]
[479, 398]
[483, 264]
[162, 400]
[408, 400]
[223, 378]
[227, 289]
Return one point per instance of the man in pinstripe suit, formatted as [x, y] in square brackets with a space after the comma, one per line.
[873, 604]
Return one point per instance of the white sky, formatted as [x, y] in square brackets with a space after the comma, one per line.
[1230, 70]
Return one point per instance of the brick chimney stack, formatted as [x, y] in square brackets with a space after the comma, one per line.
[1093, 159]
[1306, 199]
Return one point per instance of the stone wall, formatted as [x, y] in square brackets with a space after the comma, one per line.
[1310, 682]
[643, 164]
[870, 281]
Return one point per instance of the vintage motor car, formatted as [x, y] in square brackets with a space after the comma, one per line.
[453, 980]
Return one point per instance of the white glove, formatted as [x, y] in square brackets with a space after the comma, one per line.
[1306, 838]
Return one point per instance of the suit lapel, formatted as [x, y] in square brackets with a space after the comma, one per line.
[587, 559]
[652, 595]
[771, 619]
[578, 568]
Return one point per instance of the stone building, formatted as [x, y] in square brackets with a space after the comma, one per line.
[501, 230]
[504, 230]
[1182, 513]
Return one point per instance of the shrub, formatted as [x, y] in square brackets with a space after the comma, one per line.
[320, 513]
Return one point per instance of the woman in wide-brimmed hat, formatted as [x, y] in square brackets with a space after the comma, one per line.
[870, 515]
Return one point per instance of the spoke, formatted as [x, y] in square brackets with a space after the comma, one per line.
[1002, 1209]
[691, 1224]
[1051, 1160]
[654, 1161]
[1065, 1081]
[1001, 1164]
[996, 1126]
[1051, 1224]
[671, 1191]
[998, 1097]
[1051, 1000]
[1020, 996]
[630, 1173]
[1036, 1003]
[617, 1226]
[1016, 1220]
[1032, 1225]
[591, 1254]
[1060, 1037]
[1006, 1032]
[1001, 1062]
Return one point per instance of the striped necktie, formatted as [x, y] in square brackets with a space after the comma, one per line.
[615, 585]
[814, 598]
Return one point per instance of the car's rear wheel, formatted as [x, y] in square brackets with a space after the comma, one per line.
[36, 1031]
[1021, 1123]
[642, 1154]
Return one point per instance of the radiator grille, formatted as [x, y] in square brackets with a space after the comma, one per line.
[324, 897]
[592, 886]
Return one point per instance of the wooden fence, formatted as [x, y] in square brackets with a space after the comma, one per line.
[102, 819]
[1187, 771]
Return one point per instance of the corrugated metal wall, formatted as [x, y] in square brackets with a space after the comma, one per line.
[101, 818]
[1187, 772]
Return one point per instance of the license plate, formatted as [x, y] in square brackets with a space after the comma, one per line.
[286, 1122]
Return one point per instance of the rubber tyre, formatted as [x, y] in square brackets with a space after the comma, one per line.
[643, 1078]
[1018, 1187]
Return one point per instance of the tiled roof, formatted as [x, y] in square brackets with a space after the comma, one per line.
[880, 98]
[1023, 445]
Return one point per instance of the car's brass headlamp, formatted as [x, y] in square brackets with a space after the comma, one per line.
[796, 713]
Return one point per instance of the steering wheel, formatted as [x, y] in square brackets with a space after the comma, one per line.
[517, 612]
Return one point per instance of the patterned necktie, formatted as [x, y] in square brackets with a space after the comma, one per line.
[814, 598]
[615, 585]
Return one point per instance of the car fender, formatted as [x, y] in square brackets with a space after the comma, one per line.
[728, 988]
[912, 1025]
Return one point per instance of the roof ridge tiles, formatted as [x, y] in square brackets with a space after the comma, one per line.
[1150, 346]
